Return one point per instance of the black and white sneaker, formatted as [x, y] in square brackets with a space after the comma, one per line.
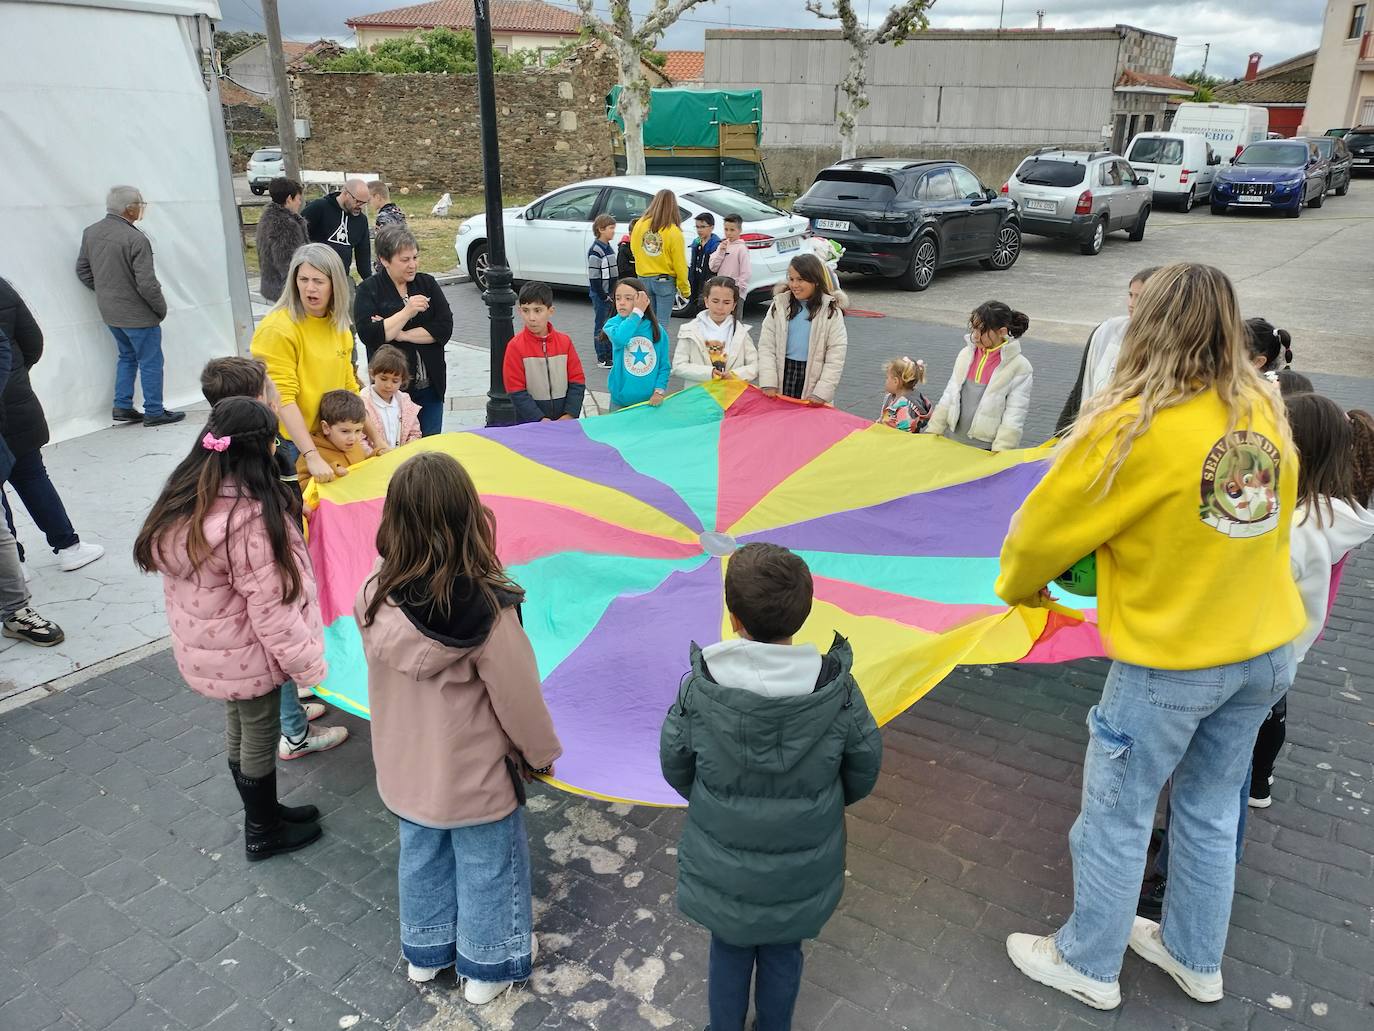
[28, 625]
[604, 363]
[1260, 796]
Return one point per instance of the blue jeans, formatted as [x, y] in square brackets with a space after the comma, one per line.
[431, 404]
[776, 986]
[293, 722]
[140, 357]
[662, 291]
[1198, 727]
[465, 898]
[31, 482]
[601, 311]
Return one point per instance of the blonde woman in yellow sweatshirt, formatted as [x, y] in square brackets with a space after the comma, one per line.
[660, 254]
[1181, 478]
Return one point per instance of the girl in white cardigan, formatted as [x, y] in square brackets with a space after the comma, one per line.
[716, 345]
[987, 397]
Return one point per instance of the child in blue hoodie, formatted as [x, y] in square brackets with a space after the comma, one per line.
[768, 741]
[640, 362]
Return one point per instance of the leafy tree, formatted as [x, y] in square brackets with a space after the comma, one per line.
[902, 20]
[231, 44]
[1204, 86]
[632, 46]
[434, 51]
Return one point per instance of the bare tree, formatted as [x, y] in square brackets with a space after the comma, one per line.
[901, 21]
[631, 47]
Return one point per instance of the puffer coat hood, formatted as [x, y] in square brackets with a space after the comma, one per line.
[766, 778]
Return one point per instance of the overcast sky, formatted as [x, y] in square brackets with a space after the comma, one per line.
[1277, 28]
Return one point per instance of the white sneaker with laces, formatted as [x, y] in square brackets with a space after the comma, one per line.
[479, 993]
[420, 975]
[1039, 959]
[78, 555]
[1148, 945]
[317, 739]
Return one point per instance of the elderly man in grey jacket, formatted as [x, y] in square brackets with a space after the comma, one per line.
[116, 261]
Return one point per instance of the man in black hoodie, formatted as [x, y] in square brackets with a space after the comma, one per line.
[340, 220]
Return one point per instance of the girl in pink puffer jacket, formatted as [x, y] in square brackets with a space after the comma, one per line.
[225, 535]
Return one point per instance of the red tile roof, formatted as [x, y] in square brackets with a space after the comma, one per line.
[684, 65]
[1131, 78]
[532, 16]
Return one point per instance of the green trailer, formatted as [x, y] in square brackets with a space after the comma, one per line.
[712, 135]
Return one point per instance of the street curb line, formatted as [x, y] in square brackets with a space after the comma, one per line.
[80, 676]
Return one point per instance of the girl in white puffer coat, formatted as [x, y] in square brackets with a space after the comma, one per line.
[988, 395]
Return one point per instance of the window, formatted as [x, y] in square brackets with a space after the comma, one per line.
[1111, 175]
[1050, 173]
[1156, 150]
[853, 186]
[575, 205]
[1274, 155]
[726, 201]
[1357, 19]
[547, 55]
[936, 186]
[1149, 124]
[966, 183]
[625, 205]
[1126, 172]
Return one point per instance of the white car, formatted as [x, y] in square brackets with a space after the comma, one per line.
[548, 240]
[264, 166]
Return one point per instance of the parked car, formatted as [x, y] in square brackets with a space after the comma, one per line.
[264, 166]
[1338, 159]
[1360, 140]
[1337, 132]
[1180, 166]
[1278, 174]
[909, 218]
[1080, 195]
[1230, 128]
[548, 240]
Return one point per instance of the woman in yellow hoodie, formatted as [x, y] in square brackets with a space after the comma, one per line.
[660, 254]
[1181, 478]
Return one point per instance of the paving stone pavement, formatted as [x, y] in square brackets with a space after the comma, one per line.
[125, 902]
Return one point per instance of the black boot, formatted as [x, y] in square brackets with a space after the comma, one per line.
[289, 813]
[265, 833]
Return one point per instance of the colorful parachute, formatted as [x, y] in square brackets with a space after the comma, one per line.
[619, 529]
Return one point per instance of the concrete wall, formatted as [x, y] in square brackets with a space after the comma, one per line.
[1335, 98]
[981, 97]
[422, 131]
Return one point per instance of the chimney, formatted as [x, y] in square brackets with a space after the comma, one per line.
[1039, 19]
[1252, 69]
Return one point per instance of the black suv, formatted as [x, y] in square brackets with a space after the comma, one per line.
[906, 219]
[1360, 140]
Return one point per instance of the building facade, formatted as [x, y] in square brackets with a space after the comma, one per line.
[1342, 90]
[515, 24]
[981, 96]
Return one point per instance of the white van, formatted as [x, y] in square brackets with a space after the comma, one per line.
[1180, 166]
[1229, 128]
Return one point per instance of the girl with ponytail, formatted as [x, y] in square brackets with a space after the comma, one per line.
[987, 397]
[225, 535]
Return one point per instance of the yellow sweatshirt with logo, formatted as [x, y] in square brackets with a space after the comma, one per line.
[1191, 540]
[660, 252]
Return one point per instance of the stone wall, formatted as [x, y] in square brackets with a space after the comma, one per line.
[421, 132]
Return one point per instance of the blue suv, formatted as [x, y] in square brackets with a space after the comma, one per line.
[1275, 174]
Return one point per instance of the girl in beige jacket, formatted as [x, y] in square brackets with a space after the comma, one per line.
[803, 340]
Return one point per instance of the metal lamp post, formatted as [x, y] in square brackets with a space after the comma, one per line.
[499, 296]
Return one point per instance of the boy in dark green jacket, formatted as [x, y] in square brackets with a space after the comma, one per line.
[768, 742]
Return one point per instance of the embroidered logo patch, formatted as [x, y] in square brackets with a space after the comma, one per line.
[652, 243]
[1240, 485]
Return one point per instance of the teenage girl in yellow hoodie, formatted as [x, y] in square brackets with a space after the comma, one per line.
[1181, 477]
[660, 254]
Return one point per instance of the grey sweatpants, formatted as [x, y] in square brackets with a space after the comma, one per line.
[251, 732]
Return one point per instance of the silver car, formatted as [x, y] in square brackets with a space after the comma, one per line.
[264, 166]
[1079, 195]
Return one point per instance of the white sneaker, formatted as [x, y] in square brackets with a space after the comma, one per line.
[304, 692]
[479, 993]
[421, 974]
[1148, 945]
[78, 555]
[313, 710]
[317, 739]
[1039, 959]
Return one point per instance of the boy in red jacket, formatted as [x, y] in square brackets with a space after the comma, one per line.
[542, 371]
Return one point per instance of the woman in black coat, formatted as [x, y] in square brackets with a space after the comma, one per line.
[25, 430]
[406, 308]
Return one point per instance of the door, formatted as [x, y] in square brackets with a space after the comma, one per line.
[982, 220]
[555, 236]
[1207, 167]
[941, 203]
[1133, 197]
[1109, 188]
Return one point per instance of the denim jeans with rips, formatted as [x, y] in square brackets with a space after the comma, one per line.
[1198, 727]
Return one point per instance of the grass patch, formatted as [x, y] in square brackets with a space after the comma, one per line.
[434, 234]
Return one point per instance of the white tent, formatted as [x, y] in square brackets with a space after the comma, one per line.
[95, 93]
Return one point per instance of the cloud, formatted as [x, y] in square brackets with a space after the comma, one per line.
[1277, 28]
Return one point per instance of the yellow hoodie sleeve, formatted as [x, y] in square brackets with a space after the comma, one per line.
[1063, 519]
